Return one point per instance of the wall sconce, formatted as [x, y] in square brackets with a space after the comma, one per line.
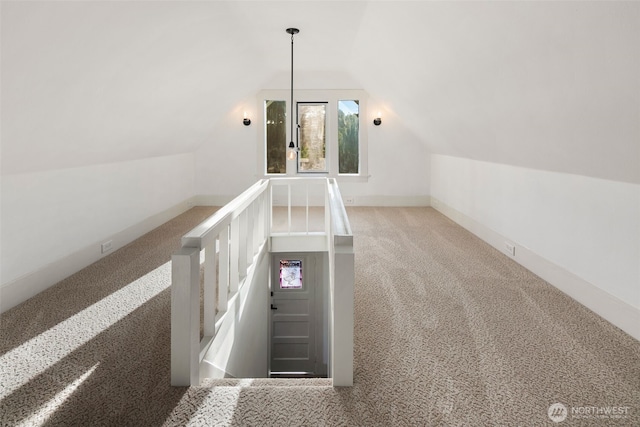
[246, 121]
[377, 120]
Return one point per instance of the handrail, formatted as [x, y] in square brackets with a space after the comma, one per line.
[340, 225]
[199, 236]
[231, 240]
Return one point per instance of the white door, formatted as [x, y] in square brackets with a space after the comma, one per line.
[293, 286]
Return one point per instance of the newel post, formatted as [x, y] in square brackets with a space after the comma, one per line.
[185, 317]
[344, 280]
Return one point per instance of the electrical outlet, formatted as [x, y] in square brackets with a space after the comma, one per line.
[107, 246]
[510, 248]
[349, 200]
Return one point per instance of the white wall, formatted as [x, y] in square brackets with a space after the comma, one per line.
[226, 163]
[549, 85]
[398, 164]
[589, 227]
[240, 347]
[52, 215]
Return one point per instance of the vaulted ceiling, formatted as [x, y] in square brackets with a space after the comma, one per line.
[546, 85]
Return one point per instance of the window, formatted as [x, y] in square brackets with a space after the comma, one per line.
[312, 137]
[276, 136]
[327, 130]
[348, 136]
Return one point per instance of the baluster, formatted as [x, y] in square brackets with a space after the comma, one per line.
[223, 270]
[289, 206]
[267, 206]
[271, 206]
[266, 230]
[210, 302]
[242, 244]
[234, 257]
[307, 188]
[256, 226]
[250, 236]
[260, 220]
[327, 211]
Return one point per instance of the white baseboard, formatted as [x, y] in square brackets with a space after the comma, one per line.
[21, 289]
[402, 201]
[211, 200]
[609, 307]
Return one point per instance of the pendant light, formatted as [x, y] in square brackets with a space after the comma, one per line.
[292, 153]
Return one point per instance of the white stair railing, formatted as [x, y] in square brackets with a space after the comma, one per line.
[341, 287]
[229, 240]
[228, 243]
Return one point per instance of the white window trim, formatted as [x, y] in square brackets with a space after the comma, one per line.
[331, 97]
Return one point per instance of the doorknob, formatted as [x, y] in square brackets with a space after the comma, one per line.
[273, 308]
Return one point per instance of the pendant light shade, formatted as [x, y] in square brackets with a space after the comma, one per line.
[291, 152]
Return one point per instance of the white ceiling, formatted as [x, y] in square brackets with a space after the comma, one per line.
[545, 85]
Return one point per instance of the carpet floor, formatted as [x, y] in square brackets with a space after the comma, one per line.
[448, 332]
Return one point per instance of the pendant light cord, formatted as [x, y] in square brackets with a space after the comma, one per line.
[292, 33]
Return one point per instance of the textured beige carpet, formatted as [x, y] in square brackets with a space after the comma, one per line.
[448, 331]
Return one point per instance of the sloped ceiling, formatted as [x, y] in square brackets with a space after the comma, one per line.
[545, 85]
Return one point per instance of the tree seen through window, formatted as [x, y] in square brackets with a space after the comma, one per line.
[276, 135]
[348, 131]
